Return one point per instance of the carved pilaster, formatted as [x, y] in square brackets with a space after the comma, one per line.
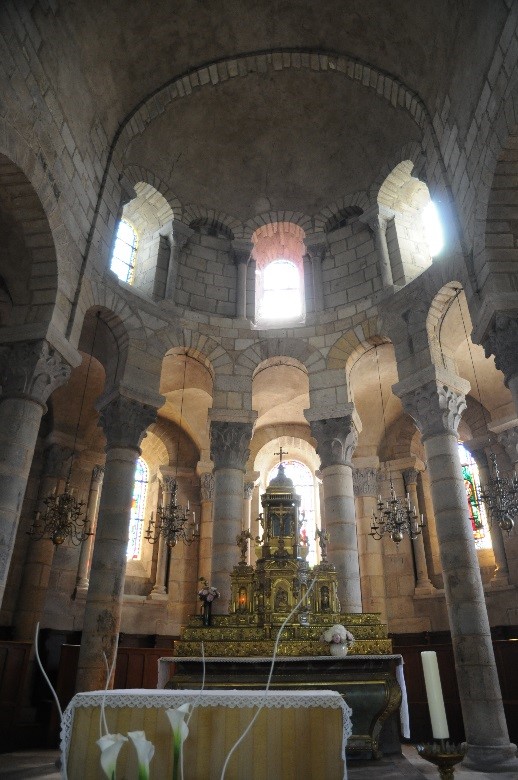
[97, 473]
[207, 487]
[248, 489]
[509, 441]
[337, 438]
[365, 482]
[502, 342]
[229, 444]
[435, 408]
[125, 422]
[32, 370]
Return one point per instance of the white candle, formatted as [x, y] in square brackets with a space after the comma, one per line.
[434, 695]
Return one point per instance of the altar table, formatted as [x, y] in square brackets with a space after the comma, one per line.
[297, 733]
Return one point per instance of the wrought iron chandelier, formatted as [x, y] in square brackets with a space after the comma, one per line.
[395, 517]
[500, 494]
[174, 523]
[62, 519]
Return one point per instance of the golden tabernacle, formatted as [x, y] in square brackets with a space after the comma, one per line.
[262, 597]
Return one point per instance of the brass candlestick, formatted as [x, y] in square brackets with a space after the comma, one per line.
[444, 755]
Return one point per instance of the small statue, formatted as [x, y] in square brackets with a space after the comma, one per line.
[323, 539]
[304, 537]
[281, 601]
[242, 543]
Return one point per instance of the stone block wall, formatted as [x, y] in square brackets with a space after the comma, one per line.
[349, 269]
[207, 276]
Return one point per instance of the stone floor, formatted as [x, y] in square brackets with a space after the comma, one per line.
[42, 763]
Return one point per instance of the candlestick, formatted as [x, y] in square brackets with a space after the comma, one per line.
[434, 694]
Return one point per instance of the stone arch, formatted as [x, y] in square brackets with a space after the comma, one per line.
[348, 348]
[269, 217]
[310, 357]
[401, 440]
[288, 432]
[192, 215]
[138, 176]
[343, 210]
[203, 348]
[399, 168]
[439, 307]
[28, 260]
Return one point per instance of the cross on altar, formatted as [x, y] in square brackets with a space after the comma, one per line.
[281, 453]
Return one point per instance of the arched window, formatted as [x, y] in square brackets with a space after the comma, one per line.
[138, 508]
[281, 292]
[304, 484]
[476, 508]
[124, 251]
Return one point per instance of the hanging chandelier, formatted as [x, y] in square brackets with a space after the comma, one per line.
[395, 518]
[62, 519]
[173, 522]
[500, 496]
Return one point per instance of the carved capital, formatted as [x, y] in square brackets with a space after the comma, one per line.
[125, 422]
[435, 408]
[207, 487]
[337, 438]
[509, 441]
[54, 460]
[32, 370]
[502, 342]
[248, 489]
[365, 482]
[97, 473]
[168, 483]
[410, 477]
[229, 444]
[316, 252]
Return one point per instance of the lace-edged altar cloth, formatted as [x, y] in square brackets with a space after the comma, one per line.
[142, 698]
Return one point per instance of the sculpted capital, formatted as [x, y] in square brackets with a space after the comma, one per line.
[502, 342]
[509, 441]
[229, 444]
[55, 459]
[125, 422]
[337, 438]
[435, 408]
[32, 370]
[410, 476]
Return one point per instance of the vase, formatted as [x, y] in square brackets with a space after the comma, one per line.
[206, 613]
[338, 650]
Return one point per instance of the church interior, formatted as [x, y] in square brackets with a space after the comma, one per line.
[235, 235]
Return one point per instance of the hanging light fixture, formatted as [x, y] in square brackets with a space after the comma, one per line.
[394, 517]
[500, 494]
[62, 519]
[174, 523]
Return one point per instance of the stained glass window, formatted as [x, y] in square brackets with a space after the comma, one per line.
[476, 508]
[304, 484]
[124, 250]
[138, 508]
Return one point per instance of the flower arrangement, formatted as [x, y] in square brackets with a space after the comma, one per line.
[207, 593]
[338, 635]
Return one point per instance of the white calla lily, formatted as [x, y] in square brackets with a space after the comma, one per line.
[110, 746]
[180, 730]
[145, 752]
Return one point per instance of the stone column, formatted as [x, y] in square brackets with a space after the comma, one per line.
[29, 373]
[124, 422]
[316, 250]
[365, 482]
[248, 491]
[159, 590]
[377, 219]
[40, 552]
[500, 576]
[336, 441]
[436, 405]
[229, 452]
[206, 525]
[178, 237]
[85, 557]
[241, 250]
[423, 586]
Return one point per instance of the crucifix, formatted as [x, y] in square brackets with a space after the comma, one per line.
[281, 453]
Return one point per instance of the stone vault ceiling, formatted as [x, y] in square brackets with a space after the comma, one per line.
[288, 140]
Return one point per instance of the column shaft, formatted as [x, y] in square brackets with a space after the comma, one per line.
[83, 569]
[423, 585]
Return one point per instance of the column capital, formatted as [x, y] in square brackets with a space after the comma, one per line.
[377, 216]
[365, 481]
[97, 473]
[229, 444]
[248, 489]
[316, 247]
[181, 234]
[32, 370]
[241, 250]
[410, 476]
[125, 421]
[54, 459]
[168, 482]
[501, 340]
[207, 486]
[336, 438]
[509, 441]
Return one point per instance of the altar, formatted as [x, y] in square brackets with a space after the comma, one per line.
[373, 687]
[296, 733]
